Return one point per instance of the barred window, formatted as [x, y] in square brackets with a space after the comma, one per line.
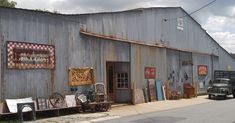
[122, 80]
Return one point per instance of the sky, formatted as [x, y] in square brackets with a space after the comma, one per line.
[218, 19]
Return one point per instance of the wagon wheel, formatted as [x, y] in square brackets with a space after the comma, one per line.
[56, 100]
[106, 107]
[97, 107]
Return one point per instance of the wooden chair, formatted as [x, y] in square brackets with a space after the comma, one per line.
[102, 99]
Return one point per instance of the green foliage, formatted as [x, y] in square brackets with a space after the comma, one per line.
[7, 3]
[44, 10]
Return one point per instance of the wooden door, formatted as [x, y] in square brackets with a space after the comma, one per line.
[110, 69]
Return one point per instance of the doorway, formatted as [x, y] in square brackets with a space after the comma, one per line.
[118, 81]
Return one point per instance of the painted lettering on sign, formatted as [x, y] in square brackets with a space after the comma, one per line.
[27, 55]
[202, 70]
[150, 72]
[30, 56]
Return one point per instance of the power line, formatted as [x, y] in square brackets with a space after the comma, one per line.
[206, 5]
[202, 7]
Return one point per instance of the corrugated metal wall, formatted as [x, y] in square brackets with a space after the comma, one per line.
[179, 69]
[72, 50]
[148, 25]
[145, 56]
[76, 50]
[202, 82]
[20, 25]
[173, 68]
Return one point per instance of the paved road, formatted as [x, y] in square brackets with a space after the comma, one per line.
[216, 111]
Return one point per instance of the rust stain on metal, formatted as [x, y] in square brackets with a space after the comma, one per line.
[137, 60]
[53, 70]
[114, 38]
[110, 37]
[52, 81]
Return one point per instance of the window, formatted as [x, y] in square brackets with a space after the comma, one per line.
[122, 80]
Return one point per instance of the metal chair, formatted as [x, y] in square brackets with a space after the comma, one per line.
[102, 99]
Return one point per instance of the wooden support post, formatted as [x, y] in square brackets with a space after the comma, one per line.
[133, 92]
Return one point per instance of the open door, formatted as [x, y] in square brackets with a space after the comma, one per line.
[110, 80]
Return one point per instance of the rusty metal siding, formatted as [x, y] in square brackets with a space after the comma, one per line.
[179, 69]
[72, 50]
[173, 68]
[19, 25]
[76, 50]
[202, 82]
[145, 56]
[148, 25]
[186, 70]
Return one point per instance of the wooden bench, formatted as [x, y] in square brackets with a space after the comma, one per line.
[5, 113]
[43, 106]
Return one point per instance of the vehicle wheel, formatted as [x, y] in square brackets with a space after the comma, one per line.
[209, 96]
[233, 95]
[225, 97]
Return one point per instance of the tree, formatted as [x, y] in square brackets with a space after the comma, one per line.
[7, 3]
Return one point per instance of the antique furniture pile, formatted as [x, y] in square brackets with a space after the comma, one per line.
[55, 104]
[91, 100]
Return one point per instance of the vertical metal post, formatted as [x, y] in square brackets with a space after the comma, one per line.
[2, 68]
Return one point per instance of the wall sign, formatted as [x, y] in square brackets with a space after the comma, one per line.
[21, 55]
[81, 76]
[180, 24]
[150, 72]
[202, 70]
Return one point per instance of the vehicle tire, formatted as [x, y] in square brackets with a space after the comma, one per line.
[233, 95]
[225, 97]
[209, 96]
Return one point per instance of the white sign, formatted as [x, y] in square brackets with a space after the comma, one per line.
[201, 85]
[70, 100]
[12, 104]
[180, 24]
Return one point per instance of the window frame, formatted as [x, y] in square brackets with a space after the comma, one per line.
[125, 82]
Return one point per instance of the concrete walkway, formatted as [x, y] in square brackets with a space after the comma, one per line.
[128, 110]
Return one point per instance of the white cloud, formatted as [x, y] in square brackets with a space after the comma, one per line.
[216, 23]
[225, 39]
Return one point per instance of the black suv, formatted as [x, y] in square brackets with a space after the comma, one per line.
[221, 87]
